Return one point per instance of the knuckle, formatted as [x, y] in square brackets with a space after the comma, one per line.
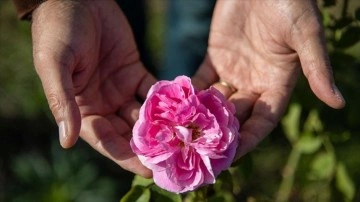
[40, 57]
[55, 104]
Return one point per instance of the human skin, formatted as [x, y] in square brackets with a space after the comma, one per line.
[260, 47]
[89, 66]
[86, 58]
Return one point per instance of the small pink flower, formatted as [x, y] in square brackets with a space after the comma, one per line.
[185, 137]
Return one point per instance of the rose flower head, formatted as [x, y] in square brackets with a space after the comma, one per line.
[186, 137]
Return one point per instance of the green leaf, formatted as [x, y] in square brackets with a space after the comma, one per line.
[138, 180]
[349, 37]
[161, 195]
[323, 166]
[137, 194]
[313, 122]
[309, 144]
[357, 14]
[326, 18]
[344, 183]
[291, 122]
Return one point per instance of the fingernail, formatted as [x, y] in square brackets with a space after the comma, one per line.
[337, 93]
[62, 132]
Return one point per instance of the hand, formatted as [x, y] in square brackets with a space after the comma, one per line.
[259, 47]
[88, 63]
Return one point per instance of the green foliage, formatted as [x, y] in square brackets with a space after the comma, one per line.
[137, 194]
[322, 166]
[308, 144]
[344, 182]
[291, 122]
[67, 178]
[138, 180]
[145, 190]
[313, 122]
[20, 90]
[160, 195]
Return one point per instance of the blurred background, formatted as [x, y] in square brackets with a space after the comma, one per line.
[311, 156]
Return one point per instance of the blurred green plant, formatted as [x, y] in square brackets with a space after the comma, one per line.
[68, 176]
[20, 90]
[323, 169]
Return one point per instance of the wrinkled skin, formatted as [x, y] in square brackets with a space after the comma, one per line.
[89, 66]
[86, 58]
[260, 48]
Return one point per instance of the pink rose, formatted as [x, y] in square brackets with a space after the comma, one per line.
[185, 137]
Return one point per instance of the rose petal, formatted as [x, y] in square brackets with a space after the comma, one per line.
[185, 137]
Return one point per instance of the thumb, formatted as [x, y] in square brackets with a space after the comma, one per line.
[205, 76]
[311, 48]
[57, 83]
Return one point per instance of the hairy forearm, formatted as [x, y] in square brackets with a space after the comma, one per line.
[25, 8]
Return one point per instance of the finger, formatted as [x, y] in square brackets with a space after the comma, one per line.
[205, 75]
[244, 102]
[264, 118]
[145, 84]
[99, 133]
[311, 48]
[120, 125]
[224, 88]
[130, 112]
[54, 63]
[57, 83]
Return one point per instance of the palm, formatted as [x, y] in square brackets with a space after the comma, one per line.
[259, 46]
[99, 54]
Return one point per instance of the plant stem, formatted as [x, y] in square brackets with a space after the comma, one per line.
[288, 176]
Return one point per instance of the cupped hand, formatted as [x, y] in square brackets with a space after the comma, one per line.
[88, 63]
[260, 47]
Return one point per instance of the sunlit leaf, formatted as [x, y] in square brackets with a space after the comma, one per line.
[291, 122]
[138, 180]
[313, 122]
[344, 183]
[137, 194]
[326, 18]
[323, 166]
[161, 195]
[309, 144]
